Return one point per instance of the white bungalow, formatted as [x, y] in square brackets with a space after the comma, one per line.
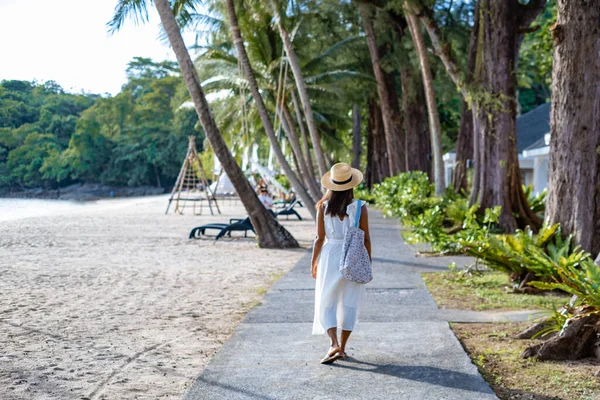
[533, 145]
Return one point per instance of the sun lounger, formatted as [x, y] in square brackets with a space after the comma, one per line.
[289, 210]
[282, 204]
[235, 225]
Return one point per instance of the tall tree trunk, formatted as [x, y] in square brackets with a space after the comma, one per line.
[270, 233]
[496, 177]
[290, 129]
[464, 142]
[356, 137]
[301, 85]
[434, 119]
[418, 146]
[377, 165]
[305, 140]
[392, 126]
[495, 145]
[262, 110]
[574, 187]
[464, 150]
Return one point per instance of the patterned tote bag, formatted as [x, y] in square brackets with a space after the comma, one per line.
[355, 264]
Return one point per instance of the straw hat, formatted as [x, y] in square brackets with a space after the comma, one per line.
[341, 177]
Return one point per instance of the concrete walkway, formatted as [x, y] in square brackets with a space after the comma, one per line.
[402, 348]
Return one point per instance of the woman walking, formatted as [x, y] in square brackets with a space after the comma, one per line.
[337, 299]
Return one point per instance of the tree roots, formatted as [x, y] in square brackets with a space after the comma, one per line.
[578, 340]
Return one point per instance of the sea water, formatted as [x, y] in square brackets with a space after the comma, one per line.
[12, 209]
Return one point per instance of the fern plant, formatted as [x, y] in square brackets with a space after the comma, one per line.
[580, 278]
[537, 204]
[524, 252]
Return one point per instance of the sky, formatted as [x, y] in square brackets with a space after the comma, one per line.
[67, 41]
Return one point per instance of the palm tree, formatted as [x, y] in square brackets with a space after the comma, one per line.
[306, 170]
[270, 233]
[262, 109]
[305, 141]
[301, 85]
[434, 119]
[325, 75]
[391, 115]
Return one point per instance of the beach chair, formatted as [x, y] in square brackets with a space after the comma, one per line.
[282, 203]
[235, 225]
[289, 210]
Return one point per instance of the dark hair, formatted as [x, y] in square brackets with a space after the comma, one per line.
[338, 201]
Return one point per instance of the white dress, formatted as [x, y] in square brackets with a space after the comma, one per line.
[337, 300]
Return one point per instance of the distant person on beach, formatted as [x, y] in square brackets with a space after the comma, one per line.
[265, 198]
[290, 198]
[261, 184]
[337, 299]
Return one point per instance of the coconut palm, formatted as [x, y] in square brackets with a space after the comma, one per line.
[301, 85]
[270, 233]
[322, 77]
[434, 118]
[262, 109]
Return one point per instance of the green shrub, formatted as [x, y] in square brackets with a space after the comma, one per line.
[283, 181]
[405, 196]
[364, 194]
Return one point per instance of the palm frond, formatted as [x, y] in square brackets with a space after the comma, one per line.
[339, 74]
[134, 9]
[318, 59]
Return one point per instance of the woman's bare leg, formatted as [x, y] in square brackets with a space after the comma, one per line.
[333, 341]
[344, 339]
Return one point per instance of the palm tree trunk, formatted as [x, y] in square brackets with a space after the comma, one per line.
[392, 126]
[434, 119]
[262, 110]
[270, 233]
[418, 144]
[356, 138]
[377, 165]
[305, 140]
[304, 99]
[464, 142]
[290, 128]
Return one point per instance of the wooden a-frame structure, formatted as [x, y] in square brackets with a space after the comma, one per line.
[191, 176]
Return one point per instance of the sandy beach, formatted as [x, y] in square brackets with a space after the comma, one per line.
[112, 301]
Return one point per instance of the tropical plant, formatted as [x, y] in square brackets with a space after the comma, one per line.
[537, 203]
[553, 321]
[580, 278]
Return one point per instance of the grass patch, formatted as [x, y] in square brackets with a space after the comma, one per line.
[494, 350]
[488, 291]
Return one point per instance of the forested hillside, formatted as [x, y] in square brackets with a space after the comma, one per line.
[50, 138]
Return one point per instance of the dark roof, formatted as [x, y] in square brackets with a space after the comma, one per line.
[538, 144]
[532, 126]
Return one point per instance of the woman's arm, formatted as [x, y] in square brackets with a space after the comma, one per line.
[319, 240]
[364, 225]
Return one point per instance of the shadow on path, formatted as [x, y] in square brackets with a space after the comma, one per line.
[425, 374]
[228, 388]
[410, 264]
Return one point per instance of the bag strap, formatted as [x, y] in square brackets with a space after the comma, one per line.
[359, 208]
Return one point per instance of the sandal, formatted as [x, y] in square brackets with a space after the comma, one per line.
[331, 356]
